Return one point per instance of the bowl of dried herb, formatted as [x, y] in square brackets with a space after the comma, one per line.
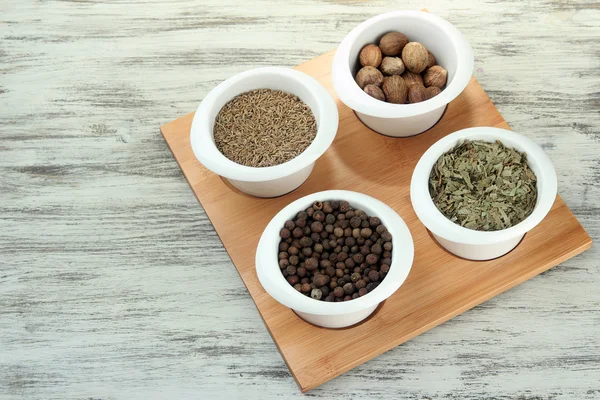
[263, 129]
[334, 256]
[480, 190]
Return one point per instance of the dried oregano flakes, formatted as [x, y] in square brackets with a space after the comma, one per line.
[483, 186]
[264, 127]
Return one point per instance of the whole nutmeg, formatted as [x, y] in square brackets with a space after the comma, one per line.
[430, 59]
[435, 76]
[416, 94]
[432, 91]
[392, 43]
[369, 75]
[395, 92]
[370, 56]
[374, 91]
[412, 79]
[415, 57]
[392, 66]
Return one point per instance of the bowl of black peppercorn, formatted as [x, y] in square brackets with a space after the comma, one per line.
[334, 256]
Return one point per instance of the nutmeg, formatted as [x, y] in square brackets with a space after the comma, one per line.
[430, 59]
[392, 66]
[369, 75]
[395, 89]
[415, 57]
[412, 79]
[370, 55]
[416, 94]
[374, 91]
[432, 91]
[392, 43]
[435, 76]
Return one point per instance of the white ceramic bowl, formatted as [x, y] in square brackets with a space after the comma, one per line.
[342, 314]
[468, 243]
[267, 181]
[446, 43]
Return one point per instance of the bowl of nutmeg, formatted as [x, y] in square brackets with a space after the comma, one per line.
[334, 256]
[399, 70]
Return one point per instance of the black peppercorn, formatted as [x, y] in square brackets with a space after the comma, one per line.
[386, 236]
[304, 280]
[297, 232]
[356, 233]
[371, 259]
[358, 258]
[360, 284]
[355, 222]
[348, 288]
[291, 270]
[376, 249]
[310, 211]
[364, 250]
[329, 298]
[335, 204]
[341, 217]
[284, 233]
[360, 241]
[324, 290]
[289, 225]
[386, 254]
[327, 207]
[330, 219]
[362, 291]
[315, 237]
[325, 263]
[283, 264]
[321, 280]
[368, 243]
[318, 248]
[294, 260]
[310, 264]
[380, 229]
[293, 279]
[374, 221]
[349, 262]
[339, 232]
[319, 216]
[330, 271]
[354, 249]
[298, 287]
[305, 287]
[306, 251]
[370, 286]
[355, 296]
[363, 217]
[387, 246]
[355, 277]
[344, 206]
[283, 255]
[373, 275]
[306, 242]
[365, 232]
[364, 224]
[339, 272]
[350, 214]
[387, 261]
[338, 292]
[283, 246]
[301, 272]
[300, 223]
[384, 268]
[329, 228]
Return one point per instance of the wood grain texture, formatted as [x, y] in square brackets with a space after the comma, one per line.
[440, 285]
[113, 284]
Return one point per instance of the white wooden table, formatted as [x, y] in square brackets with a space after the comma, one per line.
[113, 284]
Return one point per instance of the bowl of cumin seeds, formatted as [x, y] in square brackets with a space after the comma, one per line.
[264, 129]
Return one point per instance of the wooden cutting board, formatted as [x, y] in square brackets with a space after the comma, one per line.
[440, 285]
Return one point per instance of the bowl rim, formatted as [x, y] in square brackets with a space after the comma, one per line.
[355, 98]
[206, 151]
[440, 225]
[272, 280]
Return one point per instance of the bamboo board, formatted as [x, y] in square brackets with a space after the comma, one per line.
[440, 285]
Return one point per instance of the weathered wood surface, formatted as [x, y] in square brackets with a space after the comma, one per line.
[113, 284]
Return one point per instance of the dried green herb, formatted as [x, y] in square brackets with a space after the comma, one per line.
[483, 186]
[264, 127]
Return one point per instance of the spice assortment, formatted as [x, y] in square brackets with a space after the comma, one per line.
[264, 127]
[399, 71]
[483, 186]
[333, 252]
